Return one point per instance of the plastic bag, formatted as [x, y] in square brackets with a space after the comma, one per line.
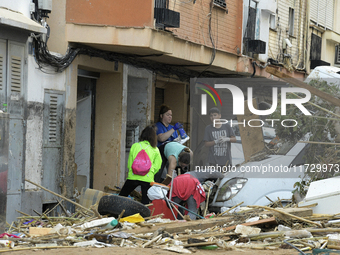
[156, 193]
[141, 164]
[132, 218]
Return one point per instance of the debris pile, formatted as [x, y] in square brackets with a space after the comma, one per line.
[252, 227]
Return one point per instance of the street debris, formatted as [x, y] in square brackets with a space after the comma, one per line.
[252, 227]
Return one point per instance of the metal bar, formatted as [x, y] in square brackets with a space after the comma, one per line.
[296, 248]
[172, 181]
[168, 202]
[187, 209]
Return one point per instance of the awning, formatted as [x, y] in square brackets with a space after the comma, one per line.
[18, 20]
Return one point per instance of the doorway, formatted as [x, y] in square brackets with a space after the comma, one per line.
[85, 120]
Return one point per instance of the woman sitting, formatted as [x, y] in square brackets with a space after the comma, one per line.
[165, 131]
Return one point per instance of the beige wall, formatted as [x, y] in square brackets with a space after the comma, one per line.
[276, 37]
[109, 103]
[56, 21]
[108, 136]
[336, 25]
[176, 97]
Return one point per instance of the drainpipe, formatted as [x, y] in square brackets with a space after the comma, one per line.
[299, 35]
[307, 8]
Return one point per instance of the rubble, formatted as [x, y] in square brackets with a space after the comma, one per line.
[251, 227]
[254, 227]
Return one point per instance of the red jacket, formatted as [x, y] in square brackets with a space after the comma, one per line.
[185, 185]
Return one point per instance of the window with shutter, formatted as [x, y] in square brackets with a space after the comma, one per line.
[53, 119]
[15, 58]
[15, 74]
[322, 12]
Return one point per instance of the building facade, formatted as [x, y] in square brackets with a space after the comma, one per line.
[323, 33]
[93, 74]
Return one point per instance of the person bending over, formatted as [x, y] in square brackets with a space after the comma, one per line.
[148, 142]
[174, 155]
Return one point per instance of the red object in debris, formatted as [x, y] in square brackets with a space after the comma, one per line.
[160, 206]
[210, 215]
[8, 235]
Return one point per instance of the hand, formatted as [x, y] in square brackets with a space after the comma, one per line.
[223, 139]
[177, 126]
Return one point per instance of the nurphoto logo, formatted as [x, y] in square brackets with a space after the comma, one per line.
[238, 100]
[238, 103]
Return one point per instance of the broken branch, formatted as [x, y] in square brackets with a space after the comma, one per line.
[285, 213]
[56, 194]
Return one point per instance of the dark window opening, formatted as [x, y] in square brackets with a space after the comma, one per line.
[221, 3]
[315, 49]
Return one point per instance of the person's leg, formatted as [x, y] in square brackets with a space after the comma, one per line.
[128, 187]
[181, 210]
[192, 206]
[145, 186]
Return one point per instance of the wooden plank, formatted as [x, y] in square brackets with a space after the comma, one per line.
[252, 137]
[34, 231]
[301, 212]
[287, 214]
[271, 220]
[176, 226]
[56, 194]
[198, 244]
[302, 84]
[206, 235]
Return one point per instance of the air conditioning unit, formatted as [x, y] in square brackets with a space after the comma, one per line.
[166, 18]
[257, 46]
[45, 5]
[337, 54]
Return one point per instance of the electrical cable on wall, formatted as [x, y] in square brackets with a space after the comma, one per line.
[269, 61]
[213, 55]
[59, 63]
[45, 59]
